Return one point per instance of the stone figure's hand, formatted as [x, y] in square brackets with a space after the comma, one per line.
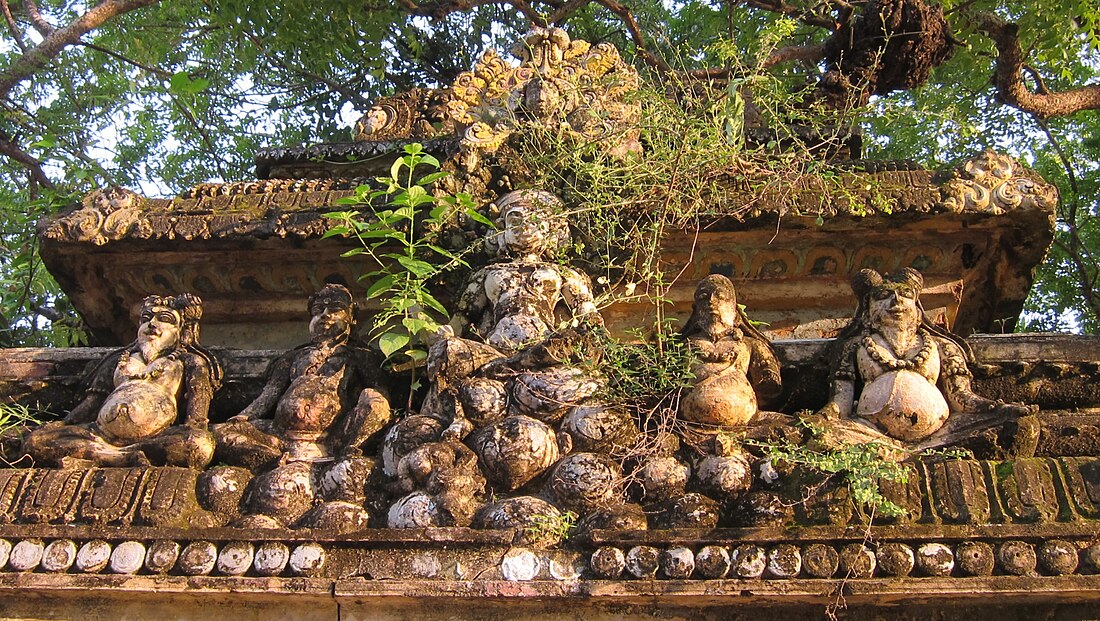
[1015, 410]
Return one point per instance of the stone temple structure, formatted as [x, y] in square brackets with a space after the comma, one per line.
[870, 450]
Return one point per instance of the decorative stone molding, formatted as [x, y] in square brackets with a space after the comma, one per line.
[995, 183]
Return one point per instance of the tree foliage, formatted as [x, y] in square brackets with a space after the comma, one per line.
[159, 96]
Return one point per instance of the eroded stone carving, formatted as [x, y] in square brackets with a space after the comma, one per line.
[320, 403]
[137, 397]
[563, 84]
[416, 114]
[735, 371]
[321, 398]
[513, 388]
[735, 361]
[903, 382]
[105, 215]
[995, 183]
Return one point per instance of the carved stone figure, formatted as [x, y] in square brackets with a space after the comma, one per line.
[900, 378]
[137, 396]
[513, 386]
[521, 306]
[319, 400]
[736, 366]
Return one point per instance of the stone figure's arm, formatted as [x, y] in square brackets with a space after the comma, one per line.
[471, 304]
[198, 392]
[99, 387]
[956, 384]
[86, 410]
[841, 399]
[764, 370]
[842, 392]
[576, 290]
[278, 380]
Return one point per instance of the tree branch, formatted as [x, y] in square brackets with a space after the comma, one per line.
[812, 53]
[59, 38]
[15, 152]
[157, 71]
[15, 34]
[1009, 81]
[803, 15]
[627, 18]
[40, 24]
[443, 8]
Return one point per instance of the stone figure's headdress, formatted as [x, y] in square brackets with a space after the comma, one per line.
[330, 293]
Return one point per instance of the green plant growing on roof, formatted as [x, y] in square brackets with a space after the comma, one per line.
[406, 258]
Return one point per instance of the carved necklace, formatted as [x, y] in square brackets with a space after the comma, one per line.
[124, 361]
[889, 360]
[320, 355]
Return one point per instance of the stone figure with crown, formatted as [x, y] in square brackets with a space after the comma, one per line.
[903, 382]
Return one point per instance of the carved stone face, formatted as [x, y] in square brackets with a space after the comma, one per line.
[158, 331]
[716, 303]
[377, 119]
[894, 306]
[331, 319]
[525, 229]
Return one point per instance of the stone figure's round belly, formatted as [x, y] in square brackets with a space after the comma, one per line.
[515, 331]
[904, 404]
[723, 399]
[310, 404]
[137, 409]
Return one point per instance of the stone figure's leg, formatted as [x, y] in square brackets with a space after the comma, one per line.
[54, 442]
[179, 446]
[370, 414]
[838, 432]
[1005, 432]
[244, 443]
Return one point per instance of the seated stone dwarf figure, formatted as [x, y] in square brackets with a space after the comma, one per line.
[903, 382]
[136, 396]
[319, 400]
[735, 363]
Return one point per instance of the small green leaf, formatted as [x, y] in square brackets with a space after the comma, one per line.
[334, 231]
[391, 342]
[433, 303]
[477, 216]
[395, 170]
[421, 269]
[353, 252]
[380, 286]
[416, 326]
[432, 177]
[417, 192]
[414, 148]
